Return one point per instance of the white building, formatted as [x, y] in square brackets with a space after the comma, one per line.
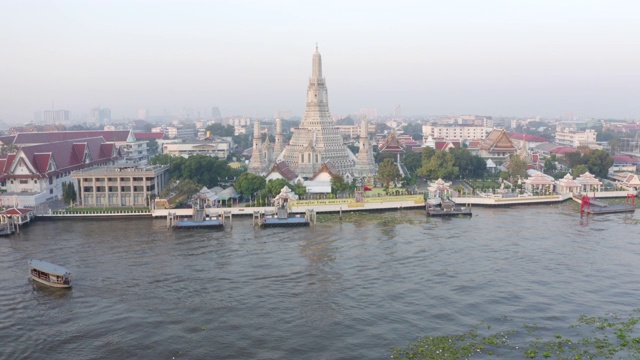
[456, 132]
[219, 148]
[575, 139]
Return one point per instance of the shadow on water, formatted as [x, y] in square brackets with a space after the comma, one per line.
[39, 290]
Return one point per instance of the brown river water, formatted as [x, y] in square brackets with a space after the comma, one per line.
[336, 290]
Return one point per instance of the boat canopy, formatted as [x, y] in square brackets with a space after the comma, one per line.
[48, 267]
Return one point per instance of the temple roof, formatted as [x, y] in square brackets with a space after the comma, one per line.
[391, 144]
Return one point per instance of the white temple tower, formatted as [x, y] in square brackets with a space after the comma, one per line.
[365, 163]
[279, 145]
[258, 164]
[317, 140]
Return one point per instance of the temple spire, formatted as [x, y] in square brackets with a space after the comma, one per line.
[316, 71]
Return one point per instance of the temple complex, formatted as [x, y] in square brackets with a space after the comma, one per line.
[317, 141]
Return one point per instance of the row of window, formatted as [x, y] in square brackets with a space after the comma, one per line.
[114, 189]
[122, 179]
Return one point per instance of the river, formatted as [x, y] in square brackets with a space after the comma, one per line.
[337, 290]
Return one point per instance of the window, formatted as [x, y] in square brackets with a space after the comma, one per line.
[24, 181]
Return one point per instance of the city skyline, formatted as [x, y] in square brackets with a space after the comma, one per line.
[496, 58]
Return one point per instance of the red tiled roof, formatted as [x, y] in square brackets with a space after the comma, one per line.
[283, 169]
[326, 167]
[441, 145]
[41, 162]
[561, 150]
[67, 155]
[625, 159]
[16, 211]
[7, 139]
[54, 136]
[528, 137]
[148, 135]
[475, 144]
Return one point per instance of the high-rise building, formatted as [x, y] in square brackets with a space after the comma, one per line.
[397, 112]
[143, 114]
[101, 115]
[55, 116]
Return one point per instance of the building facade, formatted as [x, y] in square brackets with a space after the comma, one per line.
[219, 148]
[455, 132]
[575, 139]
[120, 185]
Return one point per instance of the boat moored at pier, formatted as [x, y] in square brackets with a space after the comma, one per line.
[49, 274]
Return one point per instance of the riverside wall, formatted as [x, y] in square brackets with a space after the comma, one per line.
[339, 205]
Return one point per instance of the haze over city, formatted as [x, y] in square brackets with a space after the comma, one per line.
[252, 58]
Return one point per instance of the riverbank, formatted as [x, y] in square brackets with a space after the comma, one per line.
[383, 203]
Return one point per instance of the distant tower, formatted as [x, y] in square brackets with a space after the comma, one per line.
[215, 112]
[143, 114]
[397, 112]
[317, 140]
[279, 145]
[365, 163]
[257, 165]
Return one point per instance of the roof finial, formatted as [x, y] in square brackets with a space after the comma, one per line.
[316, 46]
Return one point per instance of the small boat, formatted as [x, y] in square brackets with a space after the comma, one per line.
[49, 274]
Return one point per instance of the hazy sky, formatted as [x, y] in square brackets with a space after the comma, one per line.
[253, 58]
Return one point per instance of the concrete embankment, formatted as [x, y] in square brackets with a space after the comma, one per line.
[346, 205]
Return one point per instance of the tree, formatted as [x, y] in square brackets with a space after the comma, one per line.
[478, 166]
[152, 147]
[274, 186]
[205, 170]
[299, 189]
[413, 161]
[579, 170]
[440, 165]
[221, 130]
[201, 169]
[572, 159]
[182, 191]
[463, 160]
[338, 184]
[599, 162]
[517, 167]
[413, 129]
[345, 121]
[69, 193]
[387, 172]
[382, 156]
[248, 183]
[549, 166]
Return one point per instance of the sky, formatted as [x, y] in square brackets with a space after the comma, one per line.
[253, 58]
